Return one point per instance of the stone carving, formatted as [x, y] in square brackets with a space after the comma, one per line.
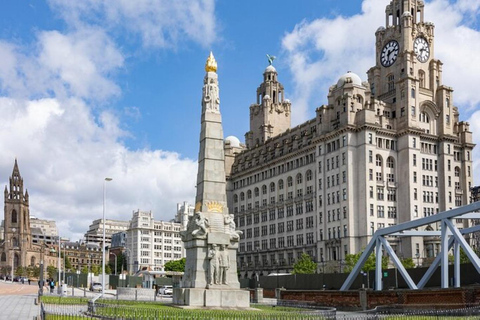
[213, 265]
[231, 227]
[224, 264]
[200, 223]
[197, 227]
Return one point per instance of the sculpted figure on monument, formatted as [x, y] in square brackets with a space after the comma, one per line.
[213, 265]
[224, 263]
[230, 223]
[200, 225]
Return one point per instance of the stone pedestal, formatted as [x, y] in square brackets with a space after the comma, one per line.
[224, 298]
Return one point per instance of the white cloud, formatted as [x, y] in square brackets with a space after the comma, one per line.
[64, 155]
[320, 51]
[51, 96]
[158, 23]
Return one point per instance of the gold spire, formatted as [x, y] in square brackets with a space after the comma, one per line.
[211, 65]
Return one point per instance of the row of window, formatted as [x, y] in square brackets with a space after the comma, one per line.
[278, 243]
[279, 227]
[280, 169]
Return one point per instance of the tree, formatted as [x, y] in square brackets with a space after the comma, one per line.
[175, 265]
[51, 271]
[408, 263]
[304, 265]
[352, 259]
[84, 270]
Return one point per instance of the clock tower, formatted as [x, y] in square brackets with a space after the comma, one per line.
[406, 75]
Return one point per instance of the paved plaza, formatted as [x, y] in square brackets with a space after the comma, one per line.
[17, 301]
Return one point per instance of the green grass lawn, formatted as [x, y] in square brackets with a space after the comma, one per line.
[158, 310]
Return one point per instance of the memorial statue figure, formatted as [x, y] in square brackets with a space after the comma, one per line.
[200, 225]
[230, 223]
[224, 263]
[213, 265]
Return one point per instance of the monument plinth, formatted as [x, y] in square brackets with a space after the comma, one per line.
[211, 238]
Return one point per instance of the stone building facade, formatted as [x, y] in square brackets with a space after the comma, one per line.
[151, 244]
[381, 152]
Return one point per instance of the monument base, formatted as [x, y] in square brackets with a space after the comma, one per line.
[224, 298]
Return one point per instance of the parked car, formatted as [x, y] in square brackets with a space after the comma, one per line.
[166, 290]
[96, 286]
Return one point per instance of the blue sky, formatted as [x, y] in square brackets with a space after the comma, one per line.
[89, 90]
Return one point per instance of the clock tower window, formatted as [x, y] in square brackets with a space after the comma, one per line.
[390, 82]
[421, 78]
[14, 216]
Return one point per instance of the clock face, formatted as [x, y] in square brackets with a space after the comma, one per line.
[421, 48]
[389, 53]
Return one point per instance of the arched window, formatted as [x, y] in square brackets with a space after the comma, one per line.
[32, 261]
[299, 178]
[457, 172]
[4, 257]
[280, 184]
[264, 189]
[257, 192]
[249, 194]
[272, 187]
[14, 216]
[309, 175]
[290, 181]
[235, 198]
[390, 163]
[242, 196]
[15, 242]
[424, 117]
[379, 161]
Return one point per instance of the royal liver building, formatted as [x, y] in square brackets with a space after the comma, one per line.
[381, 152]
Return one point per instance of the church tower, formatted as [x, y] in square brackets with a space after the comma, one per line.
[18, 237]
[270, 116]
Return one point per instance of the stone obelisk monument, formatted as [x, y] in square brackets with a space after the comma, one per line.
[211, 239]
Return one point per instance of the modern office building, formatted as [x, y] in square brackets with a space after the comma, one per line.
[151, 244]
[95, 230]
[381, 152]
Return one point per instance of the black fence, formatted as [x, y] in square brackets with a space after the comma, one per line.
[391, 278]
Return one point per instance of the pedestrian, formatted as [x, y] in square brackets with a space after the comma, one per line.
[28, 281]
[52, 285]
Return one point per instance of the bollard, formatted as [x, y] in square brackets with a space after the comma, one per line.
[135, 294]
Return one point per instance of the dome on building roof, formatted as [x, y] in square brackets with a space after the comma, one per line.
[349, 77]
[270, 68]
[234, 142]
[381, 28]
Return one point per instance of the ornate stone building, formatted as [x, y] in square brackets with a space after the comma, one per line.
[18, 248]
[381, 152]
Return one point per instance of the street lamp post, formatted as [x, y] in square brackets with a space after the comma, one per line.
[103, 248]
[59, 290]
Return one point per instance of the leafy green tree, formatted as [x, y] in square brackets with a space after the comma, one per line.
[352, 259]
[96, 269]
[84, 270]
[304, 265]
[68, 264]
[108, 270]
[408, 263]
[175, 265]
[51, 271]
